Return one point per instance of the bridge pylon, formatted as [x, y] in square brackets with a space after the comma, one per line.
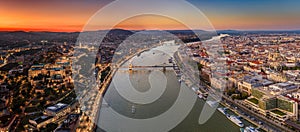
[130, 67]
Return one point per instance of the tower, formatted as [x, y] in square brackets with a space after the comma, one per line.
[130, 67]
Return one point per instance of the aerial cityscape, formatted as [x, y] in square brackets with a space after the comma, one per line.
[102, 65]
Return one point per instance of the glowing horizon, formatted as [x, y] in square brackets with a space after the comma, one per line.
[64, 16]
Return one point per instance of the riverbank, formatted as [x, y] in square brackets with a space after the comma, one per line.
[190, 81]
[265, 126]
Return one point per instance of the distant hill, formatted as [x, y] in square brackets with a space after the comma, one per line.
[8, 38]
[37, 36]
[239, 32]
[120, 31]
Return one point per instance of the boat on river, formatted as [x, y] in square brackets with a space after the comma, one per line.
[133, 109]
[250, 129]
[212, 103]
[235, 120]
[223, 110]
[194, 89]
[200, 96]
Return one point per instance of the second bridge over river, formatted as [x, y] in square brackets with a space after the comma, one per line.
[164, 66]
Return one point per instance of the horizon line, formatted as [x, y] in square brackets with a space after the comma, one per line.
[241, 30]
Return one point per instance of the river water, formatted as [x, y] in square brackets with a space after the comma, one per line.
[152, 99]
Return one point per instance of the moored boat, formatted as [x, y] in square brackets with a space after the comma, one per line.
[179, 80]
[222, 110]
[250, 129]
[194, 89]
[200, 96]
[212, 103]
[242, 129]
[235, 120]
[133, 109]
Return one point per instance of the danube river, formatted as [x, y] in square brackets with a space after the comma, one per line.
[153, 99]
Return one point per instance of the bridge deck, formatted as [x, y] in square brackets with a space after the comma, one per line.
[155, 66]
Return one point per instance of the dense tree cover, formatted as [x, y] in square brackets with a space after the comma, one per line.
[240, 96]
[49, 127]
[104, 73]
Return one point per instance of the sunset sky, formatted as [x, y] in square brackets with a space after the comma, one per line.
[71, 15]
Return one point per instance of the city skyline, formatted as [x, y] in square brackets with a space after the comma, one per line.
[66, 16]
[149, 65]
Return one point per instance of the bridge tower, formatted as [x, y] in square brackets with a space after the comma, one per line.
[164, 67]
[130, 67]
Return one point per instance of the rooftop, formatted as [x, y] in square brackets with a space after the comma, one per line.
[257, 81]
[278, 112]
[278, 89]
[56, 108]
[41, 119]
[253, 100]
[283, 86]
[38, 66]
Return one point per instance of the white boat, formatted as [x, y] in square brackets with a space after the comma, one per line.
[194, 89]
[105, 105]
[250, 129]
[200, 96]
[212, 103]
[179, 80]
[133, 109]
[242, 129]
[177, 72]
[198, 92]
[235, 120]
[222, 110]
